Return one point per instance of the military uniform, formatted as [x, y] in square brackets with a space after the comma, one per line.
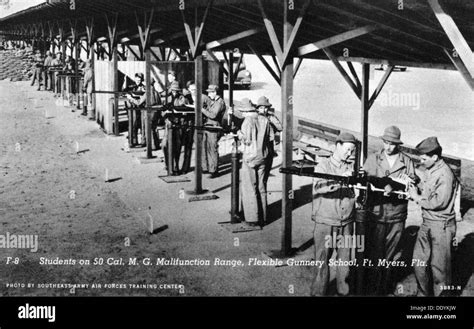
[438, 229]
[46, 78]
[138, 100]
[255, 135]
[187, 139]
[387, 216]
[175, 122]
[333, 213]
[213, 110]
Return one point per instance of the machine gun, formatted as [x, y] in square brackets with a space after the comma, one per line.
[359, 181]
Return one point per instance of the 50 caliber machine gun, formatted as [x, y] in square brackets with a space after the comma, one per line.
[359, 181]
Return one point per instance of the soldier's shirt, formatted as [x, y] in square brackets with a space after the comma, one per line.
[438, 193]
[213, 109]
[382, 208]
[333, 204]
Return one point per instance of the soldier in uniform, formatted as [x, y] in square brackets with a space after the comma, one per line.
[433, 247]
[333, 214]
[188, 128]
[263, 108]
[255, 135]
[38, 58]
[387, 213]
[46, 65]
[87, 88]
[137, 99]
[172, 120]
[56, 62]
[213, 111]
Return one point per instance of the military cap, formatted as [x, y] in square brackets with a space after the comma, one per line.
[392, 134]
[139, 75]
[175, 86]
[346, 138]
[212, 88]
[428, 145]
[246, 105]
[263, 101]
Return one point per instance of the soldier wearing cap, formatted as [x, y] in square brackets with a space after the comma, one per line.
[213, 110]
[387, 213]
[255, 135]
[434, 241]
[38, 74]
[87, 88]
[264, 108]
[333, 214]
[137, 99]
[46, 65]
[175, 123]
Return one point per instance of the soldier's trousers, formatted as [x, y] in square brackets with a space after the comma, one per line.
[210, 161]
[323, 253]
[176, 132]
[382, 243]
[434, 247]
[187, 142]
[254, 193]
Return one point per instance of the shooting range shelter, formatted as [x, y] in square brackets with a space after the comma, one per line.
[434, 34]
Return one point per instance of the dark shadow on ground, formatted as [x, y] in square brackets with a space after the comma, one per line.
[302, 196]
[407, 245]
[463, 262]
[466, 204]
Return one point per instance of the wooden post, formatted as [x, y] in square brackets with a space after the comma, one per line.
[92, 115]
[364, 101]
[77, 78]
[116, 88]
[198, 72]
[287, 140]
[234, 205]
[149, 142]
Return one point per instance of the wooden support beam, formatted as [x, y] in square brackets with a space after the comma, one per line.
[271, 31]
[459, 64]
[354, 74]
[215, 59]
[343, 72]
[237, 67]
[158, 56]
[233, 38]
[454, 35]
[198, 134]
[116, 89]
[149, 142]
[287, 137]
[364, 101]
[277, 64]
[187, 29]
[265, 63]
[197, 41]
[397, 63]
[294, 32]
[297, 67]
[380, 86]
[90, 30]
[112, 31]
[144, 31]
[315, 46]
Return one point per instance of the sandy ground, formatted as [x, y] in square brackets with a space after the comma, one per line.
[49, 190]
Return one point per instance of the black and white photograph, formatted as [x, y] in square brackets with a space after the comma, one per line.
[237, 148]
